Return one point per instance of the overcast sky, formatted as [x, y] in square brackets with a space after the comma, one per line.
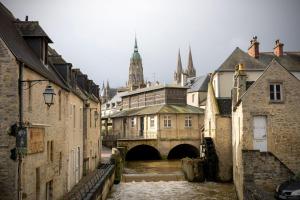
[97, 36]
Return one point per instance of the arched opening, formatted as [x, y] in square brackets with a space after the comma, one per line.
[143, 152]
[182, 151]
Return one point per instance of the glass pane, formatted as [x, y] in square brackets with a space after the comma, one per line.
[277, 88]
[278, 96]
[272, 96]
[271, 88]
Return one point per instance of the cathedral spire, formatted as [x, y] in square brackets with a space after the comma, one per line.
[191, 72]
[135, 45]
[190, 63]
[179, 64]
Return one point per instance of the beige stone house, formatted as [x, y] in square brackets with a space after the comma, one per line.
[53, 146]
[265, 124]
[223, 128]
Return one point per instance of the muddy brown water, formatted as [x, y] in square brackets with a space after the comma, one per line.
[160, 189]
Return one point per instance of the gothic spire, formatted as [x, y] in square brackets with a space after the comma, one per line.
[190, 68]
[190, 63]
[179, 64]
[135, 45]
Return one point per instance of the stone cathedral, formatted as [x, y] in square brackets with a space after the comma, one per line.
[136, 77]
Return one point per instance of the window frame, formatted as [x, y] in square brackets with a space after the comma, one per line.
[152, 122]
[132, 122]
[188, 121]
[167, 121]
[275, 92]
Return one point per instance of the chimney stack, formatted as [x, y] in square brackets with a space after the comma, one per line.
[240, 79]
[253, 50]
[26, 18]
[278, 49]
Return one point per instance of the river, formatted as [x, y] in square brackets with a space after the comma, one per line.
[145, 183]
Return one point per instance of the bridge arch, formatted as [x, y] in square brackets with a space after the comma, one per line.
[143, 152]
[183, 150]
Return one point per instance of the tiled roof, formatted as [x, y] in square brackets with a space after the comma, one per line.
[224, 105]
[290, 60]
[161, 109]
[198, 84]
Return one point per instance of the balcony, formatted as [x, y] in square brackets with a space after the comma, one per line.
[144, 136]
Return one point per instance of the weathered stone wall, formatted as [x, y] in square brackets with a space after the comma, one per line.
[264, 170]
[223, 145]
[9, 73]
[283, 138]
[93, 136]
[219, 129]
[53, 121]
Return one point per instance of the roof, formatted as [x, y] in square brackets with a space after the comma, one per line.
[224, 105]
[31, 29]
[156, 87]
[198, 84]
[19, 48]
[159, 109]
[290, 60]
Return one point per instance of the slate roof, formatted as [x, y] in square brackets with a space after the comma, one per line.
[31, 29]
[224, 105]
[161, 109]
[18, 46]
[290, 60]
[198, 84]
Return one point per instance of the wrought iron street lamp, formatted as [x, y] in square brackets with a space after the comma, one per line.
[49, 95]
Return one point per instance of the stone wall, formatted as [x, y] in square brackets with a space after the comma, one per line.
[263, 170]
[9, 72]
[282, 126]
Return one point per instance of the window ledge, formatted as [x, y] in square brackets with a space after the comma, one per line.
[276, 102]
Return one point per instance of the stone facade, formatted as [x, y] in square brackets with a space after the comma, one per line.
[282, 125]
[8, 116]
[53, 160]
[218, 127]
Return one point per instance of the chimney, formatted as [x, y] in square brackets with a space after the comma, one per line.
[26, 18]
[253, 50]
[278, 49]
[240, 78]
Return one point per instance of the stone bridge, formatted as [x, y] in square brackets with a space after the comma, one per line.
[160, 148]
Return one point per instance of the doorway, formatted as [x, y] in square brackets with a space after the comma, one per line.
[260, 133]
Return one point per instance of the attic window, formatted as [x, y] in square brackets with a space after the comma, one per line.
[276, 92]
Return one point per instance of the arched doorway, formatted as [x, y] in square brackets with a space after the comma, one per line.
[143, 152]
[182, 151]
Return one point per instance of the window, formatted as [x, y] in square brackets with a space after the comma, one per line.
[74, 116]
[276, 92]
[132, 122]
[49, 190]
[50, 147]
[167, 121]
[81, 118]
[90, 118]
[152, 121]
[59, 105]
[188, 121]
[37, 183]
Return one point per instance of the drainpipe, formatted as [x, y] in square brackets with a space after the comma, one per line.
[21, 67]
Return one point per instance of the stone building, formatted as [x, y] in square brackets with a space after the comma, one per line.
[54, 143]
[159, 113]
[136, 75]
[223, 84]
[265, 118]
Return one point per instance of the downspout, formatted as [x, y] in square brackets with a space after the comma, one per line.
[21, 67]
